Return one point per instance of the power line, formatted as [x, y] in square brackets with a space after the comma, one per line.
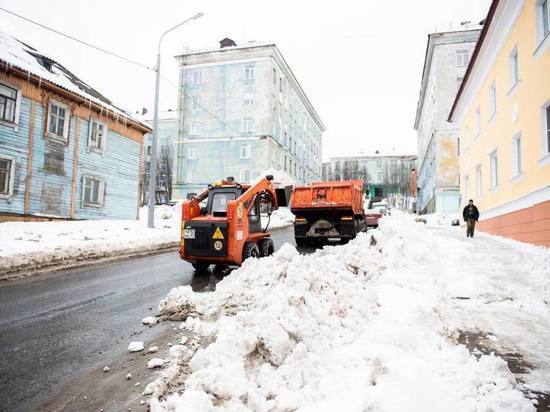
[78, 40]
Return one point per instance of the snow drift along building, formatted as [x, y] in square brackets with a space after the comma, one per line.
[65, 150]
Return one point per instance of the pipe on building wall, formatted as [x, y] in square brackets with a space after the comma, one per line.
[29, 159]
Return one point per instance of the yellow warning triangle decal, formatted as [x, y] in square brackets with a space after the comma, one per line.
[217, 234]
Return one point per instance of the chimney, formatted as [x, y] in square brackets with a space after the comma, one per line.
[227, 42]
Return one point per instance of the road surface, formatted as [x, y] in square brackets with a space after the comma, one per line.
[55, 328]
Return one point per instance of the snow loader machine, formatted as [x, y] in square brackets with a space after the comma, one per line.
[222, 225]
[328, 210]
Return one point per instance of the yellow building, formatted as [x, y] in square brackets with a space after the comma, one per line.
[502, 111]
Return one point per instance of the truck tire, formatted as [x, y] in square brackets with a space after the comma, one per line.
[250, 250]
[201, 267]
[266, 247]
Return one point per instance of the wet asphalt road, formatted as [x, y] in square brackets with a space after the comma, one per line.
[59, 326]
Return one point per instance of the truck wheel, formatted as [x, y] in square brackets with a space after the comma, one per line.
[300, 242]
[201, 267]
[250, 250]
[266, 247]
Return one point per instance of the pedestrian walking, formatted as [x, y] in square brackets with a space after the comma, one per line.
[471, 216]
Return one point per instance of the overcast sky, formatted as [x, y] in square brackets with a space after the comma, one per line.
[360, 62]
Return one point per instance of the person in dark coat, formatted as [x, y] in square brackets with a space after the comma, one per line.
[471, 216]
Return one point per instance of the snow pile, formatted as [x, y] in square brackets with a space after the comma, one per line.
[354, 327]
[280, 218]
[441, 219]
[28, 246]
[135, 347]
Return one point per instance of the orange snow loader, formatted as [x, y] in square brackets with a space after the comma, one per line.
[222, 225]
[327, 210]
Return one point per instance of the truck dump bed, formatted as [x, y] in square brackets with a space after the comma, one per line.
[344, 195]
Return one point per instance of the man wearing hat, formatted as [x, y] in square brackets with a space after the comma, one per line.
[470, 215]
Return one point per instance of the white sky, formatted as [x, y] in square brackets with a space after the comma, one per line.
[360, 62]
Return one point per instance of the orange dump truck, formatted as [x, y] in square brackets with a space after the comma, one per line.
[326, 210]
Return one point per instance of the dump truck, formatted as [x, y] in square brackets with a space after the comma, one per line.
[326, 210]
[222, 225]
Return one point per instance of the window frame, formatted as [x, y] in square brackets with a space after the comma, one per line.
[196, 77]
[517, 155]
[101, 192]
[463, 62]
[492, 101]
[93, 147]
[242, 176]
[545, 132]
[191, 152]
[250, 72]
[17, 108]
[194, 129]
[247, 125]
[513, 59]
[246, 151]
[493, 168]
[65, 137]
[11, 176]
[479, 181]
[477, 120]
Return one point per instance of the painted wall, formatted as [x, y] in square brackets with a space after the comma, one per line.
[518, 112]
[51, 180]
[282, 136]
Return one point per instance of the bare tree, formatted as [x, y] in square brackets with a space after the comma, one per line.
[164, 175]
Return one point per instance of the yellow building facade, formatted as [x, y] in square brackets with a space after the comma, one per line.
[502, 111]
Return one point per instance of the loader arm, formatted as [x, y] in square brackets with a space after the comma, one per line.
[264, 185]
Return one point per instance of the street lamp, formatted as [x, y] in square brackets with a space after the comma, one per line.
[153, 163]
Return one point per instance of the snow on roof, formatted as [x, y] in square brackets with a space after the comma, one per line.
[280, 178]
[24, 57]
[170, 114]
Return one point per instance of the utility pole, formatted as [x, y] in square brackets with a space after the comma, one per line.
[153, 163]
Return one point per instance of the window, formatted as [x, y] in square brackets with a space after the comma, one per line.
[479, 188]
[516, 155]
[189, 176]
[149, 150]
[249, 72]
[97, 136]
[379, 176]
[196, 102]
[219, 201]
[192, 152]
[245, 151]
[467, 187]
[281, 84]
[249, 100]
[245, 176]
[546, 128]
[462, 58]
[543, 17]
[58, 126]
[492, 100]
[195, 129]
[8, 103]
[494, 169]
[274, 76]
[93, 191]
[247, 125]
[196, 77]
[478, 122]
[379, 164]
[514, 66]
[7, 170]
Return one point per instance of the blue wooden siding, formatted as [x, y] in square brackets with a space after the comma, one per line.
[15, 143]
[120, 170]
[52, 170]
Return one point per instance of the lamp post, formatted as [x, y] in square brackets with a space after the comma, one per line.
[153, 163]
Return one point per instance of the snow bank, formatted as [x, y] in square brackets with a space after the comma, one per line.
[28, 246]
[354, 327]
[282, 217]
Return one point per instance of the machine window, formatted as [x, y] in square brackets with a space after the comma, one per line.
[219, 202]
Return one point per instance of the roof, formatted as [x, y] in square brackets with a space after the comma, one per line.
[276, 55]
[19, 55]
[487, 23]
[170, 114]
[364, 155]
[427, 64]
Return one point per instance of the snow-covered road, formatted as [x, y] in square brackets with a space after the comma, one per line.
[372, 325]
